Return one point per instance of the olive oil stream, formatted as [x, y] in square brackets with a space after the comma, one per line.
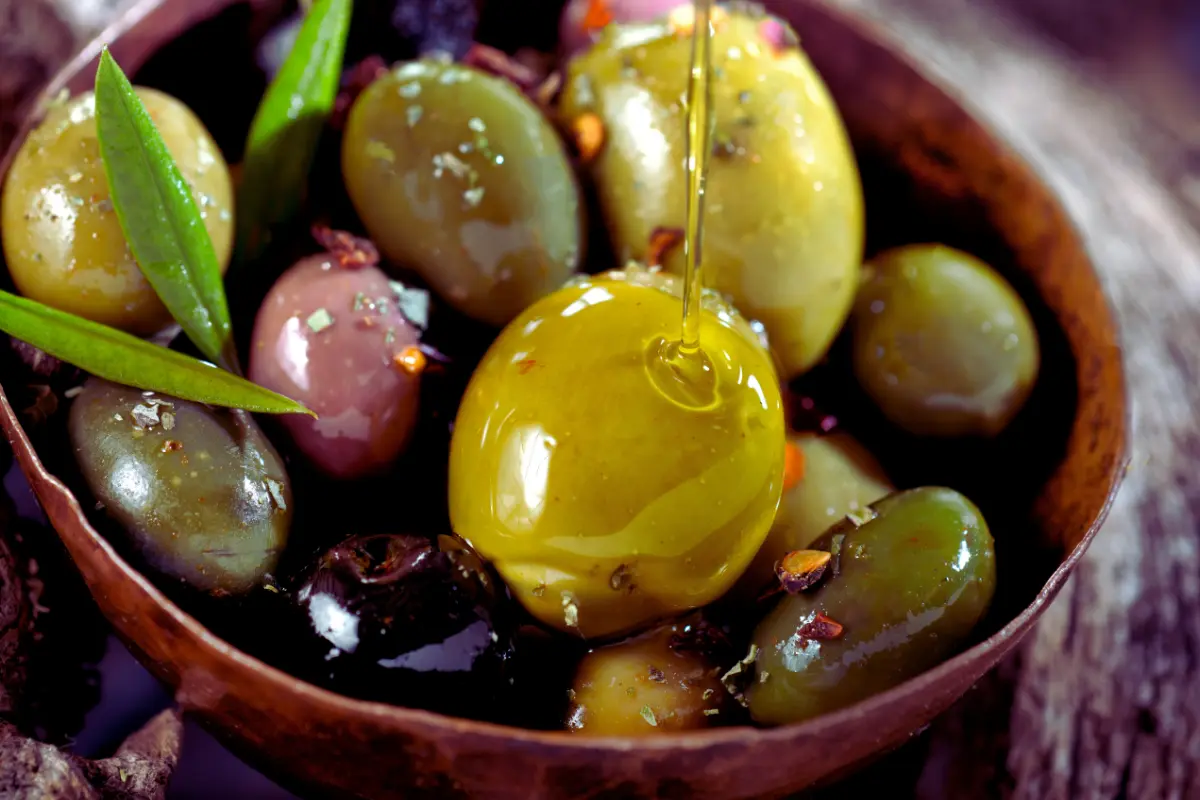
[681, 369]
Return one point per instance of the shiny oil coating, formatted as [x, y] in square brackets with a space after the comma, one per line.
[783, 234]
[62, 240]
[642, 687]
[603, 503]
[840, 477]
[908, 587]
[457, 175]
[942, 343]
[201, 493]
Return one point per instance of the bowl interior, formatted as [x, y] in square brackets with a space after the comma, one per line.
[930, 173]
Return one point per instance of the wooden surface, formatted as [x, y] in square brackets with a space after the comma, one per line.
[1104, 699]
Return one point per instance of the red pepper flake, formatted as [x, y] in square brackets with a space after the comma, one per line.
[523, 367]
[801, 569]
[820, 629]
[662, 242]
[359, 78]
[598, 16]
[171, 445]
[411, 360]
[588, 133]
[793, 465]
[498, 63]
[778, 36]
[351, 252]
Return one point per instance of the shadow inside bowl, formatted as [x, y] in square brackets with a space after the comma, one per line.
[931, 173]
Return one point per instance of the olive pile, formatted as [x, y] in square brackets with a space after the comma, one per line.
[473, 336]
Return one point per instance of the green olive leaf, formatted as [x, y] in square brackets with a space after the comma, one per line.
[287, 126]
[121, 358]
[159, 217]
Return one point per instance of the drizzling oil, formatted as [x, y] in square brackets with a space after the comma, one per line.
[683, 370]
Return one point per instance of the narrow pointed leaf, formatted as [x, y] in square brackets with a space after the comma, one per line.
[130, 361]
[159, 216]
[287, 126]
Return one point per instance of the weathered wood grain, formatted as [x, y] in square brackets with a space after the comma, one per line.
[1104, 700]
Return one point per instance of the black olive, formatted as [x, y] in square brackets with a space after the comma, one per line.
[400, 619]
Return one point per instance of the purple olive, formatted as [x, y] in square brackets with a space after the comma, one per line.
[335, 339]
[583, 19]
[400, 619]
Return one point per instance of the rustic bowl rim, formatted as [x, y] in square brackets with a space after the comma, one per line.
[1004, 638]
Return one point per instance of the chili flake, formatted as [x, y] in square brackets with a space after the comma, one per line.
[588, 132]
[351, 252]
[801, 569]
[598, 16]
[820, 628]
[662, 242]
[411, 360]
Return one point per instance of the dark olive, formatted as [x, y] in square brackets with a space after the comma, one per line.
[457, 175]
[400, 619]
[905, 590]
[942, 343]
[201, 494]
[645, 686]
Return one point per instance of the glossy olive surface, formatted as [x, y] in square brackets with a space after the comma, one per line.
[402, 619]
[604, 496]
[906, 588]
[784, 216]
[839, 477]
[942, 343]
[201, 494]
[62, 241]
[456, 174]
[335, 339]
[644, 686]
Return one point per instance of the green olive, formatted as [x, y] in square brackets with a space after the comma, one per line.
[783, 234]
[62, 240]
[905, 590]
[942, 343]
[201, 494]
[642, 687]
[609, 489]
[457, 175]
[839, 477]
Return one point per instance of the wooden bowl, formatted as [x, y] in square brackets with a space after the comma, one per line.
[931, 172]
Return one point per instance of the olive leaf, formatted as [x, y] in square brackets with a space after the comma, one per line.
[159, 217]
[128, 360]
[287, 126]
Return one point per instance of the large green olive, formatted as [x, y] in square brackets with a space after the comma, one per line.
[62, 240]
[457, 175]
[839, 477]
[609, 486]
[200, 492]
[942, 343]
[784, 219]
[905, 589]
